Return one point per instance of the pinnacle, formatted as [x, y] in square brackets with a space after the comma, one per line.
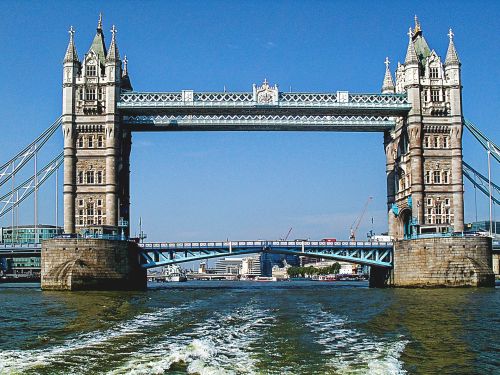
[113, 53]
[451, 54]
[411, 55]
[71, 54]
[388, 85]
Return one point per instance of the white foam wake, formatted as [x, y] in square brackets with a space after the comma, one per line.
[350, 351]
[18, 361]
[217, 345]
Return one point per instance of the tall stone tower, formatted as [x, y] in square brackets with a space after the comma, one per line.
[96, 148]
[424, 152]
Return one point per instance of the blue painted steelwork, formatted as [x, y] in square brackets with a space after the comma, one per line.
[300, 100]
[487, 143]
[366, 253]
[233, 111]
[481, 182]
[15, 164]
[17, 195]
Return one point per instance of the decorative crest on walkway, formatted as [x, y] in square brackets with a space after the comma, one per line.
[265, 94]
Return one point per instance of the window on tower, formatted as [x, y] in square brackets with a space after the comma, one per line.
[90, 177]
[99, 141]
[427, 177]
[90, 93]
[434, 73]
[91, 141]
[445, 177]
[436, 142]
[435, 97]
[91, 71]
[437, 177]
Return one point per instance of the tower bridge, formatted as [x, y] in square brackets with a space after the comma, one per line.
[419, 114]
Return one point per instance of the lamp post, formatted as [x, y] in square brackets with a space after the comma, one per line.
[489, 189]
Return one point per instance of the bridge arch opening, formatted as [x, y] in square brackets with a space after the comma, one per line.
[405, 223]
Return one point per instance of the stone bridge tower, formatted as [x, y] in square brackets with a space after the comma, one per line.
[96, 148]
[424, 152]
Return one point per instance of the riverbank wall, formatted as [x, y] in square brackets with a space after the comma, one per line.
[91, 264]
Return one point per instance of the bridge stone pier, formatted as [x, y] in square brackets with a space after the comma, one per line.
[97, 264]
[419, 114]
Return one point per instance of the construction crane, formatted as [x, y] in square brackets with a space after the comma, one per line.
[357, 221]
[286, 237]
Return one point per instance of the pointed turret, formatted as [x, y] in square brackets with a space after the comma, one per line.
[388, 85]
[451, 55]
[411, 56]
[422, 49]
[113, 54]
[71, 54]
[98, 45]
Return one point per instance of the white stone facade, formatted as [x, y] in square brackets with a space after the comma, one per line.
[424, 152]
[96, 149]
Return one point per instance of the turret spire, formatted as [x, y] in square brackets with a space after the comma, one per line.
[418, 29]
[71, 54]
[451, 55]
[388, 85]
[113, 54]
[98, 45]
[411, 56]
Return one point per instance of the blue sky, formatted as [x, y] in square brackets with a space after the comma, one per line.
[193, 186]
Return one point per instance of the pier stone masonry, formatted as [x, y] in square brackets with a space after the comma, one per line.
[462, 261]
[91, 264]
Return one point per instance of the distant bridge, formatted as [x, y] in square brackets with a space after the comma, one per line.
[361, 252]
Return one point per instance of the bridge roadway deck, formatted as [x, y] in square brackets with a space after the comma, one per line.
[157, 254]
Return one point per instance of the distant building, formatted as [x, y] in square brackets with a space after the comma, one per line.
[228, 266]
[245, 266]
[251, 266]
[269, 260]
[483, 226]
[305, 261]
[27, 266]
[28, 233]
[281, 273]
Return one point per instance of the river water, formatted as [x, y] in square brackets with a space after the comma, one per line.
[250, 328]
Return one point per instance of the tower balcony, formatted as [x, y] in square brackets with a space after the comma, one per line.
[91, 107]
[437, 108]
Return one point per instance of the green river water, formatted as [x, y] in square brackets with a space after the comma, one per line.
[250, 328]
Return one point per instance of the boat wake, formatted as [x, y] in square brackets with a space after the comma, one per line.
[19, 361]
[217, 345]
[350, 351]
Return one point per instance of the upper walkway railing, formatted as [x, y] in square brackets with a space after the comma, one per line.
[232, 111]
[247, 99]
